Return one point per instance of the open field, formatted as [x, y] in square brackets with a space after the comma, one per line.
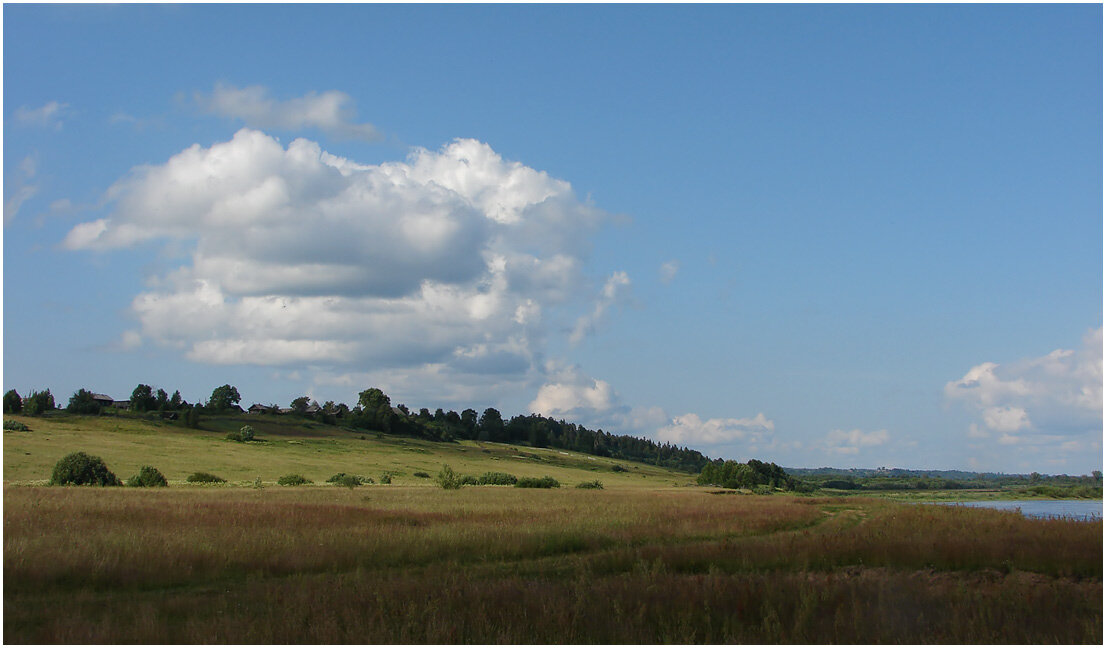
[290, 445]
[648, 559]
[498, 564]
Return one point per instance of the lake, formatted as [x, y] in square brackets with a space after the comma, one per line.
[1075, 509]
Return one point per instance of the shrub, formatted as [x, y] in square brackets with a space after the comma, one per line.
[245, 434]
[386, 478]
[349, 481]
[16, 425]
[293, 479]
[204, 478]
[618, 468]
[591, 484]
[422, 475]
[448, 479]
[148, 477]
[537, 482]
[497, 479]
[80, 469]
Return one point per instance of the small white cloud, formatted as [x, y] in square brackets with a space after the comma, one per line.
[668, 271]
[851, 441]
[690, 428]
[331, 112]
[130, 340]
[46, 116]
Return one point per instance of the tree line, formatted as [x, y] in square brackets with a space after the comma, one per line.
[374, 411]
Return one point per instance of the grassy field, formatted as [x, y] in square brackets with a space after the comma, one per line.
[641, 561]
[289, 445]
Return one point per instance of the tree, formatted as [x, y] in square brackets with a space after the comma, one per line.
[1097, 474]
[491, 422]
[299, 405]
[142, 399]
[224, 398]
[175, 401]
[13, 404]
[82, 402]
[38, 402]
[162, 401]
[376, 408]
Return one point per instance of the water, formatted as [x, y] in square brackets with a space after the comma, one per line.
[1074, 509]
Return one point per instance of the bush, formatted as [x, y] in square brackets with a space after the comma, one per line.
[591, 484]
[204, 478]
[537, 482]
[618, 468]
[294, 480]
[422, 475]
[448, 479]
[80, 469]
[148, 477]
[349, 481]
[468, 480]
[386, 478]
[496, 479]
[245, 434]
[16, 425]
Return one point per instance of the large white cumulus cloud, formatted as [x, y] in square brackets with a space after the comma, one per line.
[453, 259]
[1037, 399]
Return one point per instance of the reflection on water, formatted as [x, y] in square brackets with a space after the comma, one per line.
[1073, 509]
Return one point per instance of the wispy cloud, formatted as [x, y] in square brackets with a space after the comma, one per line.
[613, 290]
[332, 111]
[668, 271]
[47, 116]
[20, 188]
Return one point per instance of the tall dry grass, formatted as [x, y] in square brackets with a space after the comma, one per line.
[502, 565]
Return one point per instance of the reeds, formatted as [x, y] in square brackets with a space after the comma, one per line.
[411, 565]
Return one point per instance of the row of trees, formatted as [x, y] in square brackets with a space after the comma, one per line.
[374, 411]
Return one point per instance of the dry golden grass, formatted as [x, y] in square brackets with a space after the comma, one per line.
[504, 565]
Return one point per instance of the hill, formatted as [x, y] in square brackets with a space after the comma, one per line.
[285, 444]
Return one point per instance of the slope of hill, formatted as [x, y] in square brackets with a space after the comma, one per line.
[286, 445]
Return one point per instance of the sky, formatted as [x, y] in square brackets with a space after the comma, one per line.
[819, 235]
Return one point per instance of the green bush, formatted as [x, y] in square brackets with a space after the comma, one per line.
[618, 468]
[349, 481]
[422, 475]
[537, 482]
[245, 434]
[82, 470]
[448, 479]
[591, 484]
[496, 479]
[204, 478]
[293, 479]
[468, 480]
[386, 478]
[16, 425]
[148, 477]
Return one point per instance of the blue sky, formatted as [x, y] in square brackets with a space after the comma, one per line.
[857, 235]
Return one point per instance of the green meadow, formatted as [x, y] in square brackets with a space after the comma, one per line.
[650, 558]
